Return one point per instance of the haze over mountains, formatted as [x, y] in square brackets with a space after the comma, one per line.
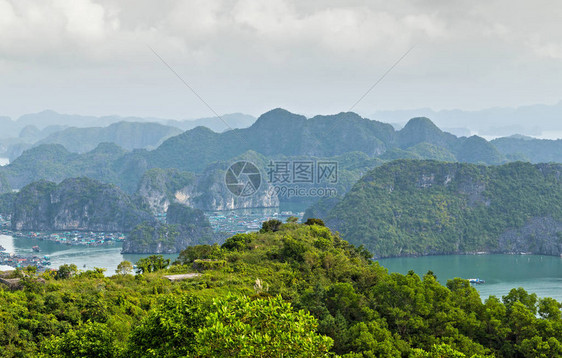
[83, 133]
[48, 118]
[189, 168]
[538, 120]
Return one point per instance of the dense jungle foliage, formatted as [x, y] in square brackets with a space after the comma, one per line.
[289, 290]
[413, 207]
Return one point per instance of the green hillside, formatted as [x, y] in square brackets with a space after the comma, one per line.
[531, 149]
[4, 185]
[293, 290]
[277, 135]
[75, 204]
[410, 207]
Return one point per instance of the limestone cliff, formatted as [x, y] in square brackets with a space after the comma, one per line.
[158, 187]
[207, 191]
[75, 204]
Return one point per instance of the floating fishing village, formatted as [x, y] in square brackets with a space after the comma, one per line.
[246, 220]
[230, 222]
[75, 238]
[19, 261]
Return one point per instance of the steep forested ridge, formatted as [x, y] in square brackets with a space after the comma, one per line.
[4, 185]
[411, 207]
[184, 227]
[75, 204]
[530, 149]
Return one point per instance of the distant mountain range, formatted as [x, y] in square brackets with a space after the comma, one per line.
[358, 144]
[83, 133]
[280, 132]
[128, 135]
[48, 118]
[533, 120]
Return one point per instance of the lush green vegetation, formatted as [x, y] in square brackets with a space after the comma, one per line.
[7, 204]
[412, 207]
[478, 150]
[296, 291]
[184, 227]
[53, 162]
[75, 204]
[530, 149]
[277, 133]
[4, 185]
[431, 151]
[150, 235]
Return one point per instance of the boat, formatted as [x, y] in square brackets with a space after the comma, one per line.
[35, 249]
[476, 280]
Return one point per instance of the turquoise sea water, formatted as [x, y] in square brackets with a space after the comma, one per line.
[539, 274]
[85, 257]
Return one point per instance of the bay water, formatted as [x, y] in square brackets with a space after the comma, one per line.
[84, 257]
[535, 273]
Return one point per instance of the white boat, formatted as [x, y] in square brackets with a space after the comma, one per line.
[476, 280]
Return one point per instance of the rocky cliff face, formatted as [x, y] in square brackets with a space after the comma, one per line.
[207, 191]
[158, 187]
[210, 192]
[184, 227]
[75, 204]
[539, 235]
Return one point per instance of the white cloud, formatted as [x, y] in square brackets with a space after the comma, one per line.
[283, 51]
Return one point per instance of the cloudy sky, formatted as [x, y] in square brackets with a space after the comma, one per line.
[311, 57]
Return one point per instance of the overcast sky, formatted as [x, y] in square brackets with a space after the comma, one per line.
[310, 57]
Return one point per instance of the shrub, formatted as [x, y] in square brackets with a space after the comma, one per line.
[314, 221]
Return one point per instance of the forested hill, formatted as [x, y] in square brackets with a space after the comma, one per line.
[4, 185]
[410, 207]
[76, 204]
[530, 149]
[293, 290]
